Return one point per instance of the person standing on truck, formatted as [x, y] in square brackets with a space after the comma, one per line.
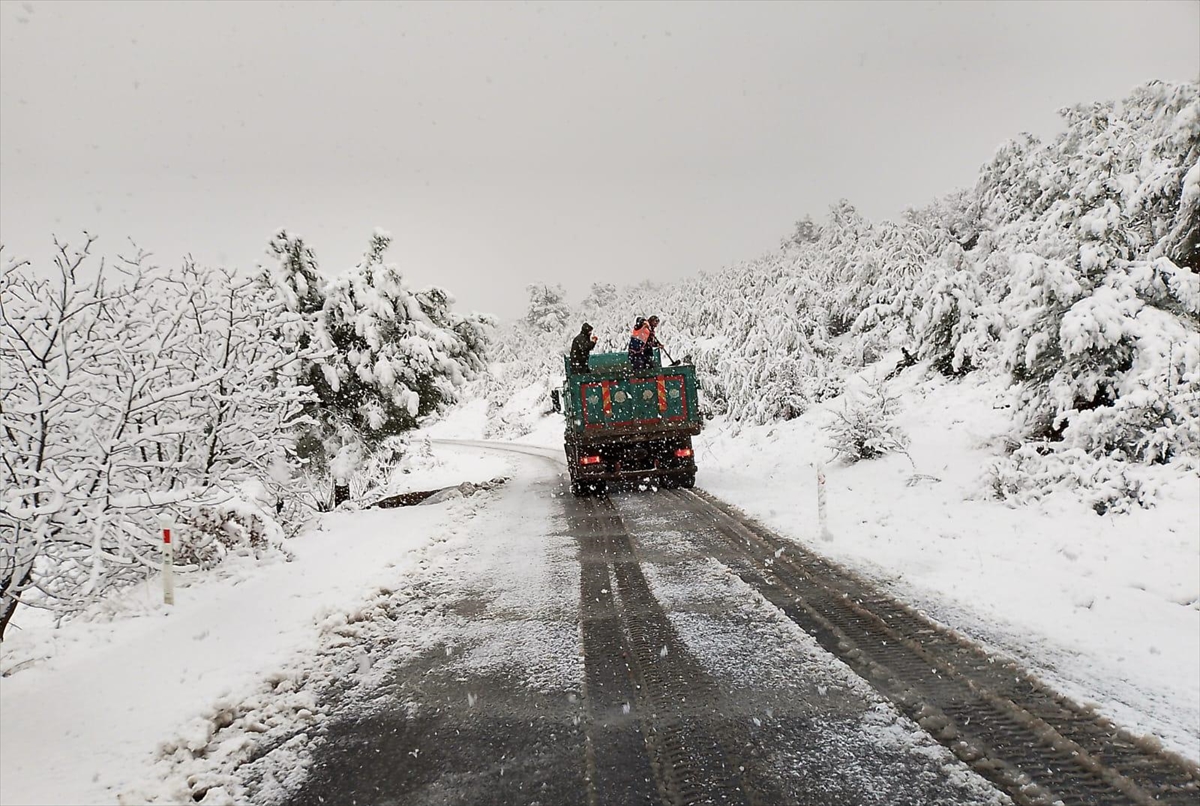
[652, 343]
[581, 348]
[639, 353]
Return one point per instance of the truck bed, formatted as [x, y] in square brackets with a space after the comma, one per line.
[615, 402]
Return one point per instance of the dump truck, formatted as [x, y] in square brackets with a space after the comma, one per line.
[629, 425]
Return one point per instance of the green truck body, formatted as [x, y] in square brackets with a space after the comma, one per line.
[626, 424]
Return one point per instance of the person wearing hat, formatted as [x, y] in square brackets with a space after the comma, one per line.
[639, 355]
[652, 343]
[581, 348]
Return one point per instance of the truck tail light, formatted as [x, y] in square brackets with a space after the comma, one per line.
[683, 453]
[589, 460]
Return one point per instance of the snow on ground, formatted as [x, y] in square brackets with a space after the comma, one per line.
[523, 565]
[1104, 607]
[499, 578]
[87, 706]
[423, 468]
[493, 598]
[467, 421]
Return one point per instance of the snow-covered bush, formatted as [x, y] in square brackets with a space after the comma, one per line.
[372, 478]
[228, 521]
[1035, 470]
[355, 479]
[1102, 323]
[887, 286]
[599, 297]
[959, 323]
[865, 426]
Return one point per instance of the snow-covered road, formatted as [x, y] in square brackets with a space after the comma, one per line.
[535, 689]
[513, 646]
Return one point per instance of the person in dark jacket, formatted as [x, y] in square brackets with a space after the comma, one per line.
[653, 343]
[581, 348]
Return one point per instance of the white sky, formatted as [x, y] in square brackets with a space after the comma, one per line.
[507, 143]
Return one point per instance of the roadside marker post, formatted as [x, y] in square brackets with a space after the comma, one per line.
[821, 521]
[168, 559]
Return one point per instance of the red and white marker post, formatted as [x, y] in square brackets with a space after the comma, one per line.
[168, 559]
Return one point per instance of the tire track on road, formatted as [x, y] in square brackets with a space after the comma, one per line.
[646, 694]
[1035, 744]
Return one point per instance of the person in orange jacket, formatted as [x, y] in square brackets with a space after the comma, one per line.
[639, 353]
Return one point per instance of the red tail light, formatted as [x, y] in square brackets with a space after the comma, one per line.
[589, 460]
[683, 453]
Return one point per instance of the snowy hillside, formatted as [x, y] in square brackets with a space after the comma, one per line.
[1068, 273]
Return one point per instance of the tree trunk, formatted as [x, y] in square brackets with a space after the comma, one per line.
[8, 597]
[341, 492]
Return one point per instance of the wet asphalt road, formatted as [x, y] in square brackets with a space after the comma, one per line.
[692, 689]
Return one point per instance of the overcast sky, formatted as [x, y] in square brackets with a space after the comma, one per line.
[507, 143]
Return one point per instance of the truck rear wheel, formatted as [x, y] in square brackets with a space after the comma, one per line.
[687, 482]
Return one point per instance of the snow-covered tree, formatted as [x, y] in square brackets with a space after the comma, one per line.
[600, 296]
[127, 391]
[548, 310]
[865, 428]
[805, 231]
[294, 274]
[959, 323]
[387, 356]
[1100, 317]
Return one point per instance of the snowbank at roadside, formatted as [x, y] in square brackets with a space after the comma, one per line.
[426, 468]
[86, 706]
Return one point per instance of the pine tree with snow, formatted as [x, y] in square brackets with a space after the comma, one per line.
[959, 323]
[548, 309]
[294, 274]
[601, 296]
[391, 356]
[1101, 319]
[805, 231]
